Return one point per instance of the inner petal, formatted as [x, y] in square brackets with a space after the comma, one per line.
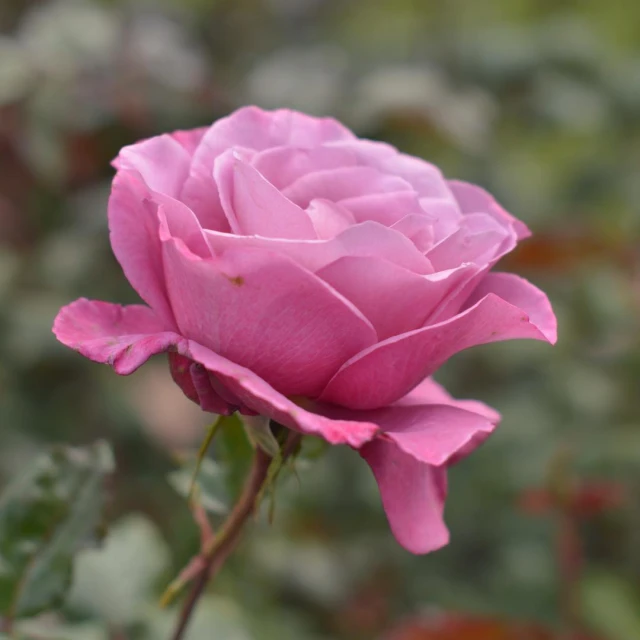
[283, 165]
[340, 184]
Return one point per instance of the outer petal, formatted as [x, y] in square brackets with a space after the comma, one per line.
[478, 239]
[190, 139]
[522, 294]
[429, 425]
[125, 337]
[133, 226]
[253, 392]
[431, 433]
[413, 496]
[195, 382]
[254, 206]
[473, 199]
[430, 392]
[365, 382]
[394, 299]
[265, 312]
[365, 239]
[423, 434]
[162, 162]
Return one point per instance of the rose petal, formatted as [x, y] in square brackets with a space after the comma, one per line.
[424, 177]
[253, 206]
[478, 239]
[444, 214]
[342, 183]
[162, 162]
[364, 239]
[473, 199]
[413, 495]
[266, 313]
[430, 392]
[133, 226]
[364, 382]
[259, 396]
[522, 294]
[385, 208]
[252, 128]
[394, 299]
[283, 165]
[190, 139]
[329, 219]
[431, 433]
[418, 228]
[182, 223]
[194, 380]
[125, 337]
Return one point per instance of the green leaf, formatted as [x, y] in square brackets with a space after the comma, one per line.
[260, 434]
[211, 487]
[46, 516]
[234, 451]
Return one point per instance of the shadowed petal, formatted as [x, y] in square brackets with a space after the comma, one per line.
[195, 382]
[253, 392]
[125, 337]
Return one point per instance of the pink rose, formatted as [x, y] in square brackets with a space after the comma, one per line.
[295, 271]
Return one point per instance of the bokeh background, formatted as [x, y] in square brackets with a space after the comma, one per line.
[538, 101]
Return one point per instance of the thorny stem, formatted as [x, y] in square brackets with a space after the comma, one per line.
[221, 547]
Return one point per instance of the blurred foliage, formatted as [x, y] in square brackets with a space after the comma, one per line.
[538, 101]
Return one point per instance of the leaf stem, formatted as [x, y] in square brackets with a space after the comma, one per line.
[222, 545]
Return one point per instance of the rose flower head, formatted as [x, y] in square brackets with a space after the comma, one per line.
[293, 270]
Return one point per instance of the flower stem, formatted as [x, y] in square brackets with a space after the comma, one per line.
[223, 544]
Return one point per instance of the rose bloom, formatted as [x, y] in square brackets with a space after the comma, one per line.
[295, 271]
